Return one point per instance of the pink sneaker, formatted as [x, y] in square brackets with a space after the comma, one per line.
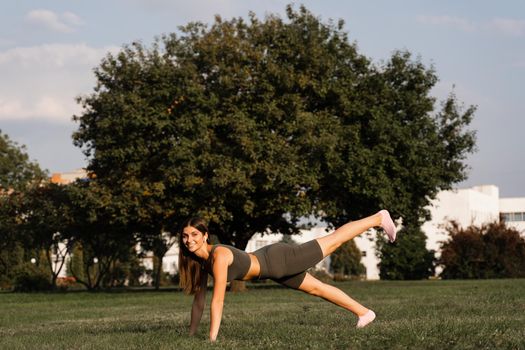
[366, 319]
[388, 225]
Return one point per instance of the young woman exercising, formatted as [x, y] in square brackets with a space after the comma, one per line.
[281, 262]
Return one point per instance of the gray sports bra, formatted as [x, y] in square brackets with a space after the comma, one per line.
[238, 268]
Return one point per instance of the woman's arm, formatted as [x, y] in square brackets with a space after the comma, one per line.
[198, 304]
[220, 275]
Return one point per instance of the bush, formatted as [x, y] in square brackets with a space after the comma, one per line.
[65, 283]
[345, 262]
[487, 251]
[30, 278]
[321, 275]
[10, 258]
[407, 258]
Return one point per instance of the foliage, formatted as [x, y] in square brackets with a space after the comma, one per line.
[126, 271]
[253, 124]
[487, 251]
[104, 236]
[407, 258]
[16, 170]
[346, 260]
[17, 173]
[29, 277]
[11, 256]
[11, 251]
[76, 262]
[44, 212]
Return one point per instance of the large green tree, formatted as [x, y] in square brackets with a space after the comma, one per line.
[255, 123]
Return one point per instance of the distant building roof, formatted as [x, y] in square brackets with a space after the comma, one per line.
[68, 177]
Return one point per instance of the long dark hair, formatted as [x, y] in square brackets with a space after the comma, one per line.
[190, 267]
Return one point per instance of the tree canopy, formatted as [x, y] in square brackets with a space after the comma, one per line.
[255, 123]
[16, 170]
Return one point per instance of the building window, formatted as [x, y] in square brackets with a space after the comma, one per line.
[261, 243]
[363, 253]
[512, 217]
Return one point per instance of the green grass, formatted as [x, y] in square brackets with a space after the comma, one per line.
[487, 314]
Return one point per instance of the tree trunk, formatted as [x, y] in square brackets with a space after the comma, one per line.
[238, 286]
[50, 264]
[158, 272]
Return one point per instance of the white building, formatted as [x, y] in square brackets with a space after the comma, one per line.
[472, 206]
[512, 211]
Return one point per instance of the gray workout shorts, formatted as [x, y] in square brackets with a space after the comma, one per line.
[286, 263]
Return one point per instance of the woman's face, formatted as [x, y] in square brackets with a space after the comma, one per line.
[193, 239]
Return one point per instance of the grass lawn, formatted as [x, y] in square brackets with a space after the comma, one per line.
[486, 314]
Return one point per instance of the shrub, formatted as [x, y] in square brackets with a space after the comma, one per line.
[346, 261]
[487, 251]
[10, 258]
[321, 275]
[64, 283]
[30, 278]
[407, 258]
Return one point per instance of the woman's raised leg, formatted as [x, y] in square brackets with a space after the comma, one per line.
[331, 242]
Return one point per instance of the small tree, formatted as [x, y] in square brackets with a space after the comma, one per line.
[16, 173]
[406, 259]
[100, 229]
[44, 216]
[487, 251]
[346, 260]
[11, 252]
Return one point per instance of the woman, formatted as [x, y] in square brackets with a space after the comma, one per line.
[281, 262]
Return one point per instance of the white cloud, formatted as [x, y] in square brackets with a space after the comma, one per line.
[72, 18]
[448, 21]
[48, 107]
[508, 26]
[53, 55]
[41, 82]
[63, 23]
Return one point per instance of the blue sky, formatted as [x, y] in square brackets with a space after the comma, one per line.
[48, 50]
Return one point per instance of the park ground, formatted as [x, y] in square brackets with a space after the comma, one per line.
[480, 314]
